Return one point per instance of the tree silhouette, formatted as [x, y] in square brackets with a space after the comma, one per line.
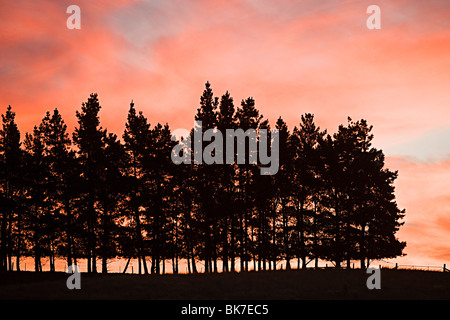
[225, 176]
[158, 176]
[306, 166]
[205, 183]
[186, 199]
[136, 138]
[10, 168]
[58, 189]
[247, 117]
[89, 138]
[111, 196]
[99, 196]
[36, 174]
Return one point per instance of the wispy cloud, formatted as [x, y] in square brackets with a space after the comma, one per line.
[292, 56]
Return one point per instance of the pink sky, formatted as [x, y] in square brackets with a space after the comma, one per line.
[291, 56]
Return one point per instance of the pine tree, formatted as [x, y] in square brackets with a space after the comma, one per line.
[56, 149]
[266, 216]
[332, 198]
[10, 164]
[359, 198]
[306, 167]
[89, 138]
[136, 136]
[226, 177]
[36, 174]
[283, 189]
[206, 184]
[375, 216]
[186, 196]
[247, 117]
[111, 197]
[158, 176]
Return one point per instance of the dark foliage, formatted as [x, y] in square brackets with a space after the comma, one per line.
[97, 197]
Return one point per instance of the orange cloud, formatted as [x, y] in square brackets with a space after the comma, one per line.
[422, 189]
[292, 57]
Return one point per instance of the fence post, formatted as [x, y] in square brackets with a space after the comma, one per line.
[444, 268]
[396, 265]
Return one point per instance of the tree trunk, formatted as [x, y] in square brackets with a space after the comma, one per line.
[348, 243]
[194, 267]
[338, 249]
[105, 242]
[10, 244]
[69, 234]
[126, 265]
[19, 239]
[232, 245]
[301, 230]
[315, 238]
[3, 259]
[286, 237]
[37, 258]
[274, 240]
[52, 259]
[188, 261]
[362, 246]
[225, 246]
[175, 265]
[104, 265]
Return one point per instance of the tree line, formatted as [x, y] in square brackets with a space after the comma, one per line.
[94, 195]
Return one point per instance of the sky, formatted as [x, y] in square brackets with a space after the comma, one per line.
[292, 57]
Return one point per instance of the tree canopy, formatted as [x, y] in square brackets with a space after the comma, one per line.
[97, 196]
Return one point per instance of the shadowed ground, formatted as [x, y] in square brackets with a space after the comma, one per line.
[277, 285]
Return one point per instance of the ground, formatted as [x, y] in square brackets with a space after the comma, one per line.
[273, 285]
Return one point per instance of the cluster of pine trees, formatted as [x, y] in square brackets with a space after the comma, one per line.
[96, 196]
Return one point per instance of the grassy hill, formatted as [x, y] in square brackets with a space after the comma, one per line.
[278, 285]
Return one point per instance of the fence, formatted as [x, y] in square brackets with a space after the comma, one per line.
[442, 268]
[117, 265]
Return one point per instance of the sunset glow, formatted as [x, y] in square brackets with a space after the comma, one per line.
[292, 57]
